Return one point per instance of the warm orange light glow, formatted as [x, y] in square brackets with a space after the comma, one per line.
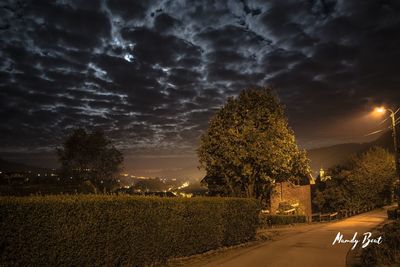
[380, 110]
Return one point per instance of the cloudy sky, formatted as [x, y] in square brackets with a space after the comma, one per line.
[151, 73]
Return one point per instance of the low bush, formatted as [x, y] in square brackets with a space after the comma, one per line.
[269, 220]
[393, 213]
[95, 230]
[388, 252]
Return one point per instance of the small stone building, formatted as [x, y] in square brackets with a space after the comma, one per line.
[299, 196]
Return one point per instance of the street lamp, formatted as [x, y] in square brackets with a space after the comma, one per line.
[396, 148]
[380, 109]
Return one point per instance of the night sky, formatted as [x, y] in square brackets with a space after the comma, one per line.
[151, 73]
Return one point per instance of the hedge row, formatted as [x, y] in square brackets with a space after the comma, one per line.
[269, 220]
[93, 230]
[387, 253]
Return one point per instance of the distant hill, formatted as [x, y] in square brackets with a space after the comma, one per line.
[327, 157]
[8, 166]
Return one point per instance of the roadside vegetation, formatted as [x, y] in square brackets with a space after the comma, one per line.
[103, 230]
[364, 181]
[387, 253]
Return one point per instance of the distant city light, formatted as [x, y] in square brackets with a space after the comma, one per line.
[185, 184]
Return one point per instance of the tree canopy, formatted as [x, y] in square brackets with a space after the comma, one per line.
[366, 179]
[90, 157]
[248, 146]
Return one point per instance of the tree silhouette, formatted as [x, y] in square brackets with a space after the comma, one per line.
[90, 157]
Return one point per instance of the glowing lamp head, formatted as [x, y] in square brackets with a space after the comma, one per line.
[380, 110]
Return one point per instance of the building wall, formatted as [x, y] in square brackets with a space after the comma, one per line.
[288, 192]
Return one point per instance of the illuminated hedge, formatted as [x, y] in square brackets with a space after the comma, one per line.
[92, 230]
[269, 220]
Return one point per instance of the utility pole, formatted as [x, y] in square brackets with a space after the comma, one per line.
[396, 152]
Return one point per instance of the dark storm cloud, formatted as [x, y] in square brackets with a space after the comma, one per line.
[151, 73]
[67, 25]
[128, 10]
[281, 59]
[231, 36]
[165, 22]
[154, 48]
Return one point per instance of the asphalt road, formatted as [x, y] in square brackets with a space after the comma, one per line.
[308, 245]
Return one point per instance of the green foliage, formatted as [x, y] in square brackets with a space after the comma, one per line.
[393, 213]
[387, 253]
[269, 220]
[248, 145]
[365, 180]
[90, 157]
[100, 230]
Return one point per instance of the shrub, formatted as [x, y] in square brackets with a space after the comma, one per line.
[95, 230]
[393, 213]
[269, 220]
[388, 252]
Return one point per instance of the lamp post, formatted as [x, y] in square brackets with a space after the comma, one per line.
[396, 148]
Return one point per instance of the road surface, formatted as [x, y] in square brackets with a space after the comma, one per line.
[308, 245]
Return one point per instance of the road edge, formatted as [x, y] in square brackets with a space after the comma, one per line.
[353, 257]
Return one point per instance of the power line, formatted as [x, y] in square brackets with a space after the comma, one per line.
[383, 121]
[375, 132]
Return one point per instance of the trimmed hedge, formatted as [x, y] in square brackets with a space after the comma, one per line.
[269, 220]
[95, 230]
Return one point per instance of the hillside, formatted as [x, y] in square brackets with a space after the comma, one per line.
[326, 157]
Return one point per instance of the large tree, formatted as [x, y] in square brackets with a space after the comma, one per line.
[90, 157]
[248, 146]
